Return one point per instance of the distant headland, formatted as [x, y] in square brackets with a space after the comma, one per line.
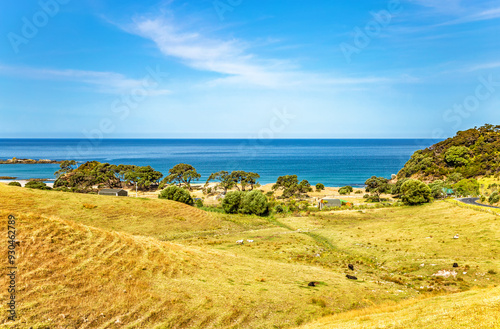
[28, 161]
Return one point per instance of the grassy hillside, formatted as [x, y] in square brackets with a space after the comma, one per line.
[158, 218]
[74, 257]
[472, 309]
[73, 275]
[472, 153]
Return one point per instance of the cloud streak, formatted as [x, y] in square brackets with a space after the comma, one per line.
[230, 58]
[105, 82]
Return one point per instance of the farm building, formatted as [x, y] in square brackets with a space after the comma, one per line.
[448, 191]
[330, 203]
[113, 192]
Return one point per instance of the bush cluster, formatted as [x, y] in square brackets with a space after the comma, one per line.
[251, 203]
[37, 185]
[178, 194]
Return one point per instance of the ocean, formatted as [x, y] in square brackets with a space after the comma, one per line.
[333, 162]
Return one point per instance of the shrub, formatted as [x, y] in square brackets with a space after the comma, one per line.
[232, 202]
[346, 190]
[199, 203]
[279, 209]
[15, 184]
[320, 187]
[494, 198]
[358, 192]
[178, 194]
[415, 192]
[254, 203]
[467, 187]
[37, 185]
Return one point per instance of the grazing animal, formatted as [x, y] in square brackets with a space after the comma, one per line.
[351, 267]
[350, 277]
[250, 241]
[455, 264]
[456, 237]
[239, 242]
[312, 284]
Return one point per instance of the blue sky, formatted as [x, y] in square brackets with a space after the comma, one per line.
[248, 69]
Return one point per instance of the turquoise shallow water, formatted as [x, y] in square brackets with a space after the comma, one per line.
[333, 162]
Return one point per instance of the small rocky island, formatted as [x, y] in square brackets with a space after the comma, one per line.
[27, 161]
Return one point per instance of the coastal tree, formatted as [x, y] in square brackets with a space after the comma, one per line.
[377, 186]
[290, 186]
[143, 177]
[226, 181]
[415, 192]
[396, 188]
[66, 167]
[320, 187]
[245, 179]
[181, 174]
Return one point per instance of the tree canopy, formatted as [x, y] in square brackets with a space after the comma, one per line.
[471, 153]
[415, 192]
[181, 174]
[291, 187]
[377, 186]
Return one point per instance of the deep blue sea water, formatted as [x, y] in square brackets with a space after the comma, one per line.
[333, 162]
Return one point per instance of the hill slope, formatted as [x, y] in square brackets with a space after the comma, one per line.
[151, 217]
[472, 309]
[472, 153]
[71, 275]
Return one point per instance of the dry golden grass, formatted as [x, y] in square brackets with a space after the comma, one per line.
[159, 218]
[472, 309]
[76, 276]
[90, 261]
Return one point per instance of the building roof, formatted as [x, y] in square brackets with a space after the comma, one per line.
[111, 190]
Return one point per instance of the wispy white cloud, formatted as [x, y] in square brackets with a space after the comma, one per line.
[442, 6]
[483, 66]
[489, 14]
[230, 58]
[104, 82]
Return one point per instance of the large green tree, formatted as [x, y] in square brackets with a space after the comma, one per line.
[142, 177]
[181, 174]
[415, 192]
[225, 180]
[377, 186]
[245, 179]
[291, 187]
[66, 167]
